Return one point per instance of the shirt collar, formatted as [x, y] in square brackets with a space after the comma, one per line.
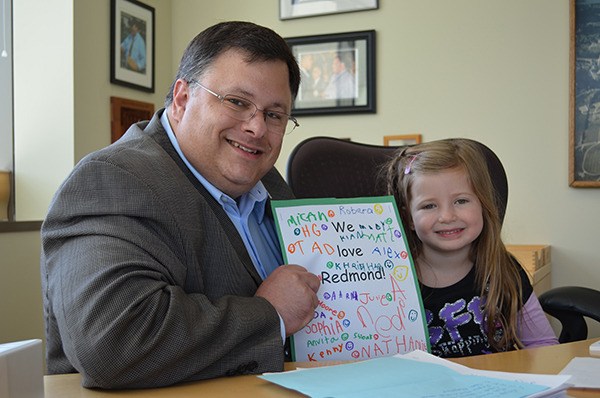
[253, 201]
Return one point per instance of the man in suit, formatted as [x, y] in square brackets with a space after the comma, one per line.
[341, 84]
[133, 49]
[160, 260]
[306, 62]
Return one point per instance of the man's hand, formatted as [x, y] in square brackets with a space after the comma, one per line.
[291, 289]
[132, 64]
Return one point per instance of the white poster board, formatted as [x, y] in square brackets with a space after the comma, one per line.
[369, 300]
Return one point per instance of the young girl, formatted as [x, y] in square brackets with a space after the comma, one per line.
[477, 297]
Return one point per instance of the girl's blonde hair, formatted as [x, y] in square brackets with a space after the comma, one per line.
[496, 272]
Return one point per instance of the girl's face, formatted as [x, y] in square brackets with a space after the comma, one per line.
[446, 214]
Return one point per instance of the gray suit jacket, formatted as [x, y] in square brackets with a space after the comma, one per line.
[146, 281]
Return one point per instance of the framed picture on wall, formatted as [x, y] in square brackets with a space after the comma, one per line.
[401, 140]
[289, 9]
[132, 44]
[584, 109]
[337, 72]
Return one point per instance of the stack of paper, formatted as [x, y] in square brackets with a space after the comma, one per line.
[585, 372]
[416, 374]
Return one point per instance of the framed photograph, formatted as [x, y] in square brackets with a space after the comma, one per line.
[289, 9]
[401, 140]
[125, 112]
[132, 44]
[338, 73]
[584, 108]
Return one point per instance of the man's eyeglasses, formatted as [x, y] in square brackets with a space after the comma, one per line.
[242, 109]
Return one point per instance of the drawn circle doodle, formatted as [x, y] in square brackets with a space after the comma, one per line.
[397, 234]
[388, 264]
[329, 264]
[346, 322]
[412, 315]
[345, 336]
[331, 213]
[355, 354]
[400, 272]
[388, 296]
[291, 248]
[376, 336]
[389, 221]
[297, 231]
[341, 314]
[378, 208]
[326, 296]
[349, 345]
[324, 227]
[404, 254]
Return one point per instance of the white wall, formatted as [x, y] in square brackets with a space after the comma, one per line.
[6, 143]
[43, 102]
[43, 120]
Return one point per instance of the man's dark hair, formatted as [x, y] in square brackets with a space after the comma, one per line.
[260, 44]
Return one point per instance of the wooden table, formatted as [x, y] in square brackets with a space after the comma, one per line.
[544, 360]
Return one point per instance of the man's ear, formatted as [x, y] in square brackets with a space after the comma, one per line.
[181, 96]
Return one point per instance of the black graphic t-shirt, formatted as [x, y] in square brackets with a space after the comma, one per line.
[455, 317]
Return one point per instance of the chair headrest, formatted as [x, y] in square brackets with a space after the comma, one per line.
[333, 167]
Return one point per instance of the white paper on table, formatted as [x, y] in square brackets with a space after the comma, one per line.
[321, 385]
[584, 372]
[555, 383]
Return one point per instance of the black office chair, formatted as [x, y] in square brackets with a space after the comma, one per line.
[570, 304]
[321, 167]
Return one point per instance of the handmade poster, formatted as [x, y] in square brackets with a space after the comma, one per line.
[369, 300]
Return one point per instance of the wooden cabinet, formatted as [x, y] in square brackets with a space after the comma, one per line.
[4, 195]
[536, 261]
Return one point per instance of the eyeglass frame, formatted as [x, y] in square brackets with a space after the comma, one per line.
[222, 98]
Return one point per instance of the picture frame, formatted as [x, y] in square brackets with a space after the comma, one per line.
[337, 73]
[584, 88]
[132, 37]
[290, 9]
[401, 140]
[125, 112]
